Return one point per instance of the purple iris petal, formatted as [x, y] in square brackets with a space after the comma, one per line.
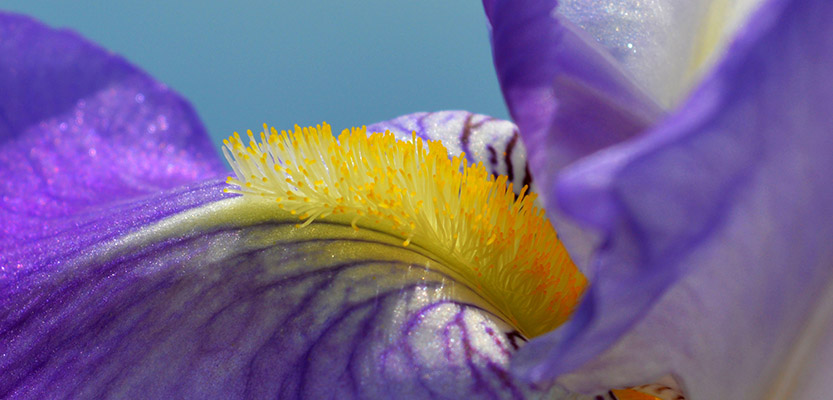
[126, 274]
[716, 227]
[567, 95]
[264, 310]
[82, 130]
[122, 133]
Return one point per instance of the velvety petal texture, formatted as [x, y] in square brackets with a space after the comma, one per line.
[567, 95]
[715, 263]
[82, 130]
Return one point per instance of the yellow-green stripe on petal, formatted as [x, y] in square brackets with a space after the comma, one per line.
[498, 243]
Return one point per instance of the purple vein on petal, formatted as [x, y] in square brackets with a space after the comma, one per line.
[234, 313]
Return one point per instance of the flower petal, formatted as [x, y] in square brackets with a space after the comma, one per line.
[665, 45]
[716, 258]
[567, 95]
[227, 301]
[118, 283]
[81, 128]
[81, 131]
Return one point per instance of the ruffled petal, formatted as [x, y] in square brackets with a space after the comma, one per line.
[715, 262]
[227, 301]
[81, 128]
[567, 95]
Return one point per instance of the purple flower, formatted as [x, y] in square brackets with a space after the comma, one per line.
[127, 272]
[702, 220]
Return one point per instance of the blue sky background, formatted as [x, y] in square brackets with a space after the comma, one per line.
[285, 62]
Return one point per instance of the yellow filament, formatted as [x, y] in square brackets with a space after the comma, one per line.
[501, 246]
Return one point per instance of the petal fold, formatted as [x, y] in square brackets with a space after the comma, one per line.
[567, 95]
[715, 226]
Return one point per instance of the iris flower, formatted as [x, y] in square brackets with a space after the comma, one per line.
[683, 150]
